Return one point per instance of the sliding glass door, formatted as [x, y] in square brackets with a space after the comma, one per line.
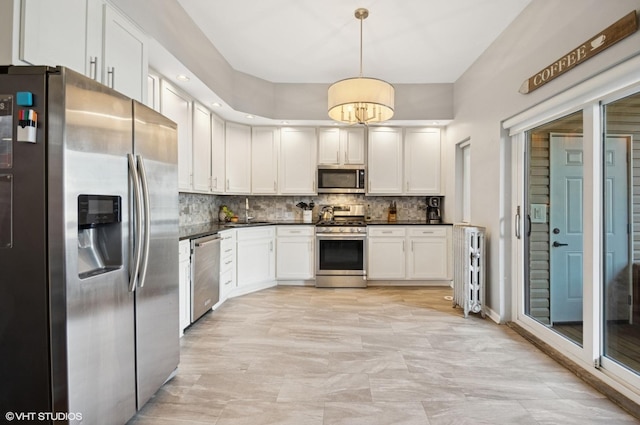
[621, 232]
[554, 225]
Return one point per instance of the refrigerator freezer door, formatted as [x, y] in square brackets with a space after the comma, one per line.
[157, 343]
[94, 126]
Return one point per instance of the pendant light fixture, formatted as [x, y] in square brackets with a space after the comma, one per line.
[360, 99]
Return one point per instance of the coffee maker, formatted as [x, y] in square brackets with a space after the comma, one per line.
[435, 205]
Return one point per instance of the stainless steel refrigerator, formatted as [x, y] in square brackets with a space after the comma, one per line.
[88, 248]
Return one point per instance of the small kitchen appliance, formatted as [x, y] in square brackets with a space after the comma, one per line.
[434, 209]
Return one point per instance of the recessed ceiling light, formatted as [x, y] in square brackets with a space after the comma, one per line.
[182, 77]
[249, 116]
[284, 122]
[216, 104]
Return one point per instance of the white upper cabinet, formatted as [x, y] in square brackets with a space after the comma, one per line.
[264, 160]
[385, 161]
[54, 33]
[297, 171]
[238, 158]
[125, 58]
[201, 148]
[352, 145]
[341, 146]
[217, 155]
[422, 161]
[329, 146]
[177, 107]
[88, 36]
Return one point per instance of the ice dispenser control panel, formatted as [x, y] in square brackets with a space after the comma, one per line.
[99, 235]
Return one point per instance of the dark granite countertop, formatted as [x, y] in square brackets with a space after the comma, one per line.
[193, 231]
[406, 223]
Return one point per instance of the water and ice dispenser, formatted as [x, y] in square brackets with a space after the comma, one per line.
[99, 234]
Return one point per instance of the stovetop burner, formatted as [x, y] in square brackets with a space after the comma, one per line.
[341, 223]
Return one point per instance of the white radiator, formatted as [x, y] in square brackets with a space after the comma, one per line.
[469, 268]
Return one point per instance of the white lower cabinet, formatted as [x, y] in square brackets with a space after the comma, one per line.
[184, 297]
[413, 253]
[429, 256]
[295, 253]
[227, 263]
[256, 258]
[385, 247]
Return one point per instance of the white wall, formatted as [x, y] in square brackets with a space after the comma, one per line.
[487, 94]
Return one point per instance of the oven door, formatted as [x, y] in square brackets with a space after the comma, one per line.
[340, 254]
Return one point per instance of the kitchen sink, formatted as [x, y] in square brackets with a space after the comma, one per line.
[249, 224]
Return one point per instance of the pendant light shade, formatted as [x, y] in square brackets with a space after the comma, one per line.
[360, 99]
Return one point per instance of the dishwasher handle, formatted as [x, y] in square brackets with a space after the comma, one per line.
[207, 242]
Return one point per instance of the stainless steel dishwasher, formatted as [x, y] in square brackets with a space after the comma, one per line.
[205, 272]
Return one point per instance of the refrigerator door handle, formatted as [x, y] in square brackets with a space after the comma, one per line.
[137, 228]
[147, 220]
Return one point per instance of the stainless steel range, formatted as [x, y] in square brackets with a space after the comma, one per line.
[341, 249]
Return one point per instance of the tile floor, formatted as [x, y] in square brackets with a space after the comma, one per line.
[375, 356]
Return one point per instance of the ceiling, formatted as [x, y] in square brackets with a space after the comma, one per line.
[303, 41]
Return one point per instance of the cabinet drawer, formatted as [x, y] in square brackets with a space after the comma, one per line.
[256, 233]
[430, 231]
[295, 230]
[226, 281]
[184, 250]
[386, 231]
[227, 263]
[227, 241]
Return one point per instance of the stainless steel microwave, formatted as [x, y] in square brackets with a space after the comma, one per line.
[341, 179]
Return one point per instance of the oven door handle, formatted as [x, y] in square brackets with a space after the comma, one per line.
[340, 237]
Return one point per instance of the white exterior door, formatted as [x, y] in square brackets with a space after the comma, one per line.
[566, 227]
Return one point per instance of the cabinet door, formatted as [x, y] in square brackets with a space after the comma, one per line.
[238, 158]
[297, 161]
[422, 161]
[256, 261]
[185, 294]
[352, 142]
[264, 160]
[295, 258]
[386, 258]
[201, 149]
[177, 107]
[385, 161]
[217, 155]
[329, 146]
[428, 258]
[54, 33]
[125, 55]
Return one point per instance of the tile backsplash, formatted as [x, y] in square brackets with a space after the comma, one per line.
[199, 208]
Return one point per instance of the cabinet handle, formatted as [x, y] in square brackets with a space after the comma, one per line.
[426, 232]
[227, 250]
[271, 246]
[387, 231]
[294, 231]
[93, 68]
[227, 184]
[403, 246]
[228, 282]
[407, 186]
[337, 157]
[111, 77]
[310, 244]
[275, 187]
[412, 242]
[228, 262]
[346, 160]
[215, 182]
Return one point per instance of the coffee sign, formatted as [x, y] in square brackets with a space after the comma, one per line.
[611, 35]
